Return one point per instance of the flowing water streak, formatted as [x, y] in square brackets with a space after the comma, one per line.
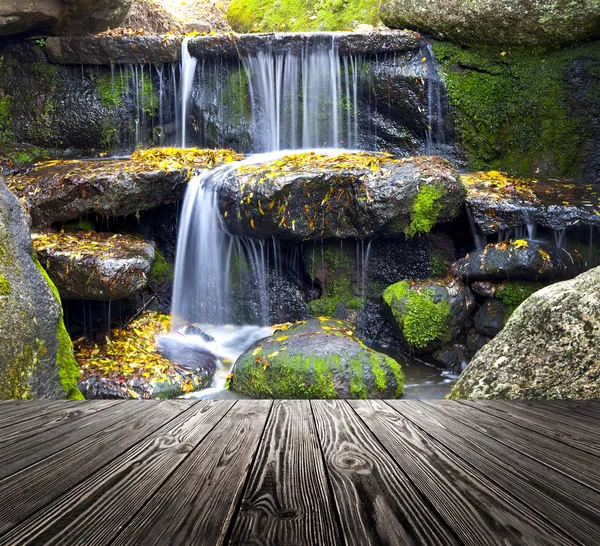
[188, 69]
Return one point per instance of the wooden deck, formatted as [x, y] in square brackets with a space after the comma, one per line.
[290, 473]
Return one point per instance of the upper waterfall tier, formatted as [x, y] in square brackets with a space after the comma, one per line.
[106, 50]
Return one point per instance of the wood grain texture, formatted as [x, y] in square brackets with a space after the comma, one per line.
[565, 434]
[16, 457]
[196, 504]
[569, 504]
[29, 409]
[66, 415]
[466, 499]
[286, 500]
[93, 512]
[24, 493]
[576, 417]
[570, 461]
[377, 503]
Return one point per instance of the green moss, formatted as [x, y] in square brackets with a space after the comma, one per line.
[149, 100]
[324, 307]
[378, 372]
[5, 119]
[438, 264]
[512, 107]
[68, 370]
[514, 293]
[83, 225]
[111, 90]
[5, 289]
[162, 271]
[398, 374]
[14, 382]
[426, 209]
[307, 15]
[421, 318]
[358, 389]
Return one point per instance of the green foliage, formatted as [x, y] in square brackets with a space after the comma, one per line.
[162, 271]
[5, 289]
[512, 107]
[308, 15]
[514, 293]
[68, 370]
[425, 210]
[421, 319]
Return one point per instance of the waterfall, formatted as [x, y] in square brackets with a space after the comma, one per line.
[188, 70]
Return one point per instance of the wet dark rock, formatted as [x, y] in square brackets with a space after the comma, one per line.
[188, 354]
[374, 327]
[95, 266]
[504, 204]
[484, 288]
[36, 354]
[429, 314]
[310, 196]
[547, 350]
[316, 359]
[511, 22]
[235, 45]
[517, 260]
[287, 299]
[491, 317]
[107, 50]
[452, 356]
[195, 330]
[475, 341]
[63, 17]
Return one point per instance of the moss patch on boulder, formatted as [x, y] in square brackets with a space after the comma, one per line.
[290, 16]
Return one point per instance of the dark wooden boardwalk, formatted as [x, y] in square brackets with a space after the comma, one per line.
[290, 473]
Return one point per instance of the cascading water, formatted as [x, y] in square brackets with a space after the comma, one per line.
[188, 71]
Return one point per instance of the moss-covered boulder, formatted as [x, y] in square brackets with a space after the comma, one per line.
[528, 111]
[58, 191]
[86, 265]
[428, 314]
[548, 348]
[320, 358]
[518, 260]
[36, 354]
[287, 15]
[510, 22]
[319, 195]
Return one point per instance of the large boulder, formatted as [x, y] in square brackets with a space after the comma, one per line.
[345, 195]
[86, 265]
[36, 354]
[428, 314]
[517, 260]
[57, 191]
[62, 17]
[319, 358]
[511, 22]
[548, 348]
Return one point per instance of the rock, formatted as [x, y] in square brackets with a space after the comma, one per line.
[58, 191]
[514, 260]
[475, 341]
[107, 50]
[512, 22]
[499, 203]
[316, 196]
[490, 317]
[188, 354]
[287, 300]
[316, 359]
[452, 356]
[64, 17]
[429, 313]
[374, 327]
[548, 348]
[485, 289]
[36, 354]
[95, 266]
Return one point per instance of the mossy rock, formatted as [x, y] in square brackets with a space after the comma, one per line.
[36, 354]
[320, 358]
[428, 314]
[290, 16]
[509, 22]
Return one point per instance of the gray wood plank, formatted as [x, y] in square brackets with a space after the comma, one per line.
[575, 417]
[93, 512]
[24, 493]
[65, 415]
[479, 512]
[377, 503]
[29, 409]
[286, 500]
[196, 504]
[537, 423]
[571, 462]
[16, 457]
[571, 506]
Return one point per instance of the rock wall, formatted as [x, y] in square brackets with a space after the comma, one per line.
[36, 354]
